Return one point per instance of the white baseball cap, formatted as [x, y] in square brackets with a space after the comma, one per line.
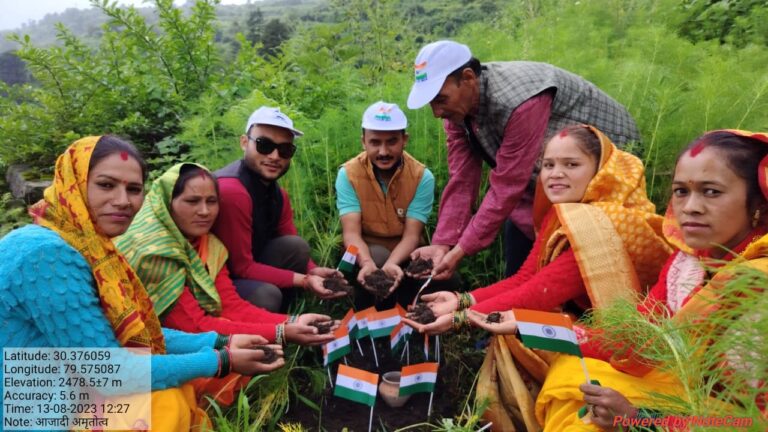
[435, 62]
[383, 116]
[271, 116]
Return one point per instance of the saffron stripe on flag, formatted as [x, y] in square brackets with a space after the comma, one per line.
[418, 378]
[380, 324]
[356, 385]
[548, 318]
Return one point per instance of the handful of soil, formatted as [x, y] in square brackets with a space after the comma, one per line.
[337, 284]
[269, 354]
[419, 266]
[322, 327]
[493, 318]
[380, 282]
[421, 313]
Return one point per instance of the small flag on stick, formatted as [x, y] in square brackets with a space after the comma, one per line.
[347, 263]
[399, 336]
[418, 378]
[546, 330]
[380, 324]
[356, 385]
[361, 324]
[338, 347]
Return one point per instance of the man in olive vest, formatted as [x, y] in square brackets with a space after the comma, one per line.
[384, 197]
[499, 113]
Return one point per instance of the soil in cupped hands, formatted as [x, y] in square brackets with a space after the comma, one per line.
[337, 284]
[380, 282]
[269, 354]
[322, 327]
[419, 266]
[421, 313]
[493, 318]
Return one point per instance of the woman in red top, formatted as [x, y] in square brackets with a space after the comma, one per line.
[717, 220]
[183, 266]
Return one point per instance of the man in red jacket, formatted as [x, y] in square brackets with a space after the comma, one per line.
[267, 258]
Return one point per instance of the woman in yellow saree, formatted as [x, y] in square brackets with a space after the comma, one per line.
[716, 219]
[63, 284]
[598, 240]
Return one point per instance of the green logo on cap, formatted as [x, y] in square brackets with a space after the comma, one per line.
[383, 117]
[421, 76]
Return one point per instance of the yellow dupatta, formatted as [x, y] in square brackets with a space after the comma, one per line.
[616, 239]
[122, 296]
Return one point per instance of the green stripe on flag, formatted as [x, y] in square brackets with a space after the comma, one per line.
[359, 397]
[381, 332]
[425, 387]
[548, 344]
[339, 353]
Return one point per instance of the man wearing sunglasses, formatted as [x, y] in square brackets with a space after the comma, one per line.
[384, 197]
[267, 258]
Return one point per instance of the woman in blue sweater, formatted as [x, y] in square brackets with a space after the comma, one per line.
[63, 283]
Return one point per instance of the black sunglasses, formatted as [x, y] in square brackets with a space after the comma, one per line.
[266, 146]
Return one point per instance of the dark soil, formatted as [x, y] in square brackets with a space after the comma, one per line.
[380, 282]
[419, 266]
[269, 354]
[493, 317]
[337, 284]
[323, 327]
[421, 313]
[338, 414]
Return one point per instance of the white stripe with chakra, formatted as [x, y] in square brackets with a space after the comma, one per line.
[386, 322]
[338, 344]
[547, 331]
[421, 377]
[356, 385]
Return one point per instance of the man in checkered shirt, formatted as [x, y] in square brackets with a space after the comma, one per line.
[499, 113]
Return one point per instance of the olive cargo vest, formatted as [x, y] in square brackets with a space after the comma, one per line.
[383, 216]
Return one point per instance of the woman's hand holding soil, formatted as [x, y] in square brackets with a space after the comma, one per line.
[441, 302]
[314, 283]
[251, 362]
[441, 325]
[304, 332]
[496, 322]
[245, 341]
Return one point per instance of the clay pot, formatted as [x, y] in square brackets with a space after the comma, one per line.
[389, 388]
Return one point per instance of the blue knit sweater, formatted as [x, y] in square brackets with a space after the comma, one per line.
[48, 299]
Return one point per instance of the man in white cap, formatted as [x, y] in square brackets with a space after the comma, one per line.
[266, 256]
[499, 113]
[384, 197]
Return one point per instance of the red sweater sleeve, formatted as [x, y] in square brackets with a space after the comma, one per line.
[555, 284]
[236, 309]
[187, 315]
[233, 227]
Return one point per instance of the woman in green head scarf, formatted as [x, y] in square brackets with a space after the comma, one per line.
[183, 266]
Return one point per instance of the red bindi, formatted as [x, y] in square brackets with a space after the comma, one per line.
[697, 148]
[124, 155]
[563, 133]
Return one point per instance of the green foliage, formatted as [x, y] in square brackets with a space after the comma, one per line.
[738, 22]
[12, 214]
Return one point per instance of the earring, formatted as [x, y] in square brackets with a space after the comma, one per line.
[756, 218]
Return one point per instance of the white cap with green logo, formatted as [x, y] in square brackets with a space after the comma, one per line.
[383, 116]
[433, 64]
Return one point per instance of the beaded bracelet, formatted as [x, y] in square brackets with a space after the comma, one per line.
[465, 299]
[459, 320]
[221, 341]
[280, 334]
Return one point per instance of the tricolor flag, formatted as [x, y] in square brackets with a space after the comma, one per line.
[362, 322]
[347, 263]
[546, 330]
[399, 336]
[338, 347]
[380, 324]
[349, 321]
[356, 385]
[418, 378]
[400, 310]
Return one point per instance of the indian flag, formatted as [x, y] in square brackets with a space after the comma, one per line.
[362, 322]
[380, 324]
[418, 378]
[356, 385]
[349, 321]
[347, 263]
[338, 347]
[546, 330]
[399, 336]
